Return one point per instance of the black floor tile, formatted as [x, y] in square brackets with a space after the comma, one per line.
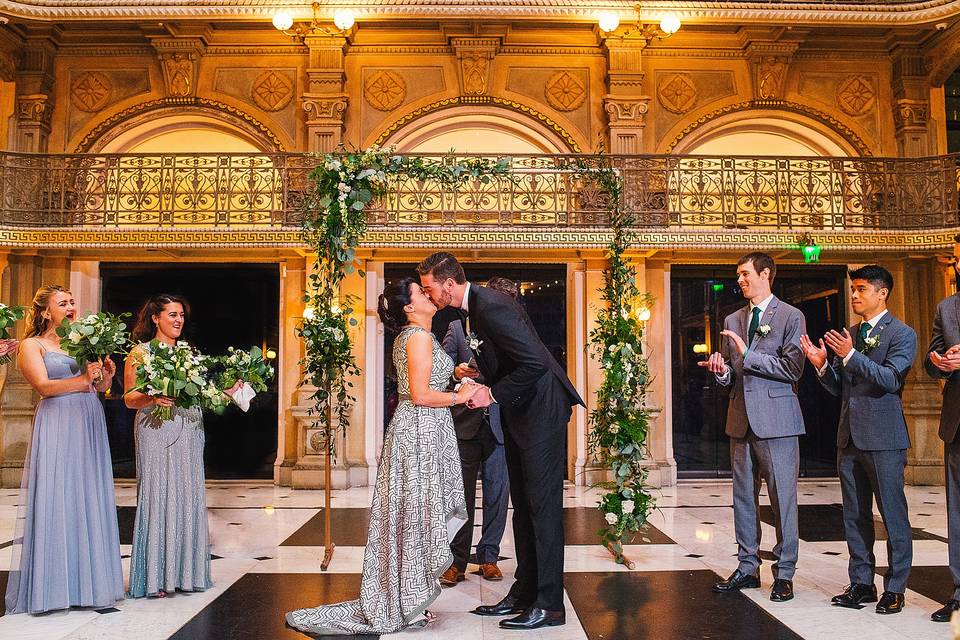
[126, 517]
[666, 604]
[254, 607]
[935, 583]
[349, 529]
[580, 526]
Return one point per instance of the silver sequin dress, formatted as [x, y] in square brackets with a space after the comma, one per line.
[417, 508]
[170, 537]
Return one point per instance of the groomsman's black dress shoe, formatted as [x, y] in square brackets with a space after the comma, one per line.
[943, 615]
[782, 590]
[890, 602]
[855, 595]
[534, 618]
[509, 606]
[737, 581]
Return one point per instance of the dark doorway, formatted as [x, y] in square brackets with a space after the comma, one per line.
[543, 294]
[951, 97]
[700, 299]
[231, 305]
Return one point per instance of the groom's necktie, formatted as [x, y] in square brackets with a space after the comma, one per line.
[862, 335]
[754, 323]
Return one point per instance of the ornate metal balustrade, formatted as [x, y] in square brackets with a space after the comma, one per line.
[245, 191]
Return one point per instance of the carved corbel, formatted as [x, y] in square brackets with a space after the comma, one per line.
[180, 63]
[770, 62]
[476, 59]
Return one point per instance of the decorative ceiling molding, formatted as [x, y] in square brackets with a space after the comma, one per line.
[875, 12]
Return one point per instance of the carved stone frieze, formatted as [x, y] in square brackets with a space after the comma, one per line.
[565, 91]
[677, 92]
[385, 90]
[856, 95]
[626, 110]
[476, 58]
[911, 114]
[90, 91]
[271, 90]
[35, 109]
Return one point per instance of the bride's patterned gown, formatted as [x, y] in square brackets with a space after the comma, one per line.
[417, 508]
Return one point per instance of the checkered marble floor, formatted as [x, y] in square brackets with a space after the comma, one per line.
[267, 546]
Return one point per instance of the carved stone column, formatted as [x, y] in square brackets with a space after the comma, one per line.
[34, 106]
[625, 104]
[325, 101]
[911, 106]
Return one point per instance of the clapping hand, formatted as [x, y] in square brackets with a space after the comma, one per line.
[8, 347]
[840, 343]
[714, 364]
[949, 361]
[481, 398]
[736, 339]
[817, 355]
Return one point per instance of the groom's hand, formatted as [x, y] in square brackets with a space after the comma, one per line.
[480, 399]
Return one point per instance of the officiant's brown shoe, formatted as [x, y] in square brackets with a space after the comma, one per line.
[452, 576]
[490, 571]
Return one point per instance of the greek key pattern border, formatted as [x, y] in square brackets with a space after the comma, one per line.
[472, 238]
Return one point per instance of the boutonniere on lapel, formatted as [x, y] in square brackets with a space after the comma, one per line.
[871, 342]
[763, 330]
[474, 342]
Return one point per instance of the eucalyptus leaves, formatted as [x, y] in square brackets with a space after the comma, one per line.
[342, 186]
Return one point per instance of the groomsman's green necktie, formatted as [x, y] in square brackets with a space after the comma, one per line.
[754, 323]
[862, 336]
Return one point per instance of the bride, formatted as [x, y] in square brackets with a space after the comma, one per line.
[418, 502]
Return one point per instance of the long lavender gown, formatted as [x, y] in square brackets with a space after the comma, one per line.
[70, 550]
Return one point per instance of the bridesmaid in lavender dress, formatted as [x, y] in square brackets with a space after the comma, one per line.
[69, 555]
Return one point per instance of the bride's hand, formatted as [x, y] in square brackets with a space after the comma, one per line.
[466, 391]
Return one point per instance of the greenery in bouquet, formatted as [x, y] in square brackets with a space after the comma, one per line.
[248, 366]
[178, 372]
[8, 316]
[94, 337]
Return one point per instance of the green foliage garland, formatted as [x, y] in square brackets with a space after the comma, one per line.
[342, 185]
[620, 421]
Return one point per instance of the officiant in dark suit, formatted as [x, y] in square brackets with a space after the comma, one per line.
[871, 362]
[536, 400]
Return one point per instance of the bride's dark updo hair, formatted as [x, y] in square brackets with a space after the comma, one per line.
[391, 303]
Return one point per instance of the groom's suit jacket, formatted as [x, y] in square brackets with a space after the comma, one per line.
[525, 379]
[870, 385]
[764, 395]
[946, 333]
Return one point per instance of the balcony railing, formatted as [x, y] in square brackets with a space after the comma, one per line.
[246, 191]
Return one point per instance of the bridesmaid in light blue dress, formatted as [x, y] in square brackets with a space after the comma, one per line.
[171, 544]
[70, 550]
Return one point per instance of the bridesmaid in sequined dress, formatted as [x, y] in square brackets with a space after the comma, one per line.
[68, 551]
[170, 537]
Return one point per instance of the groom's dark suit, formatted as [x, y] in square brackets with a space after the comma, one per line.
[535, 398]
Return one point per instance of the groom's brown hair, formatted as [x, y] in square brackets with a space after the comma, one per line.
[442, 265]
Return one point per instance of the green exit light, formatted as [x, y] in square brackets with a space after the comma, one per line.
[718, 287]
[811, 253]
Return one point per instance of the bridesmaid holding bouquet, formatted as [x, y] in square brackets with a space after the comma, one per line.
[70, 550]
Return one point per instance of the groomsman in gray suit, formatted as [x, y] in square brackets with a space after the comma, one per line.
[943, 362]
[761, 359]
[871, 362]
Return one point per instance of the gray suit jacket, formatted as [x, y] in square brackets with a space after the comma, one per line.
[466, 421]
[946, 333]
[764, 395]
[870, 384]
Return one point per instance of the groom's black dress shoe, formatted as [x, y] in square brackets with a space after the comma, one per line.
[855, 595]
[737, 581]
[509, 606]
[534, 618]
[943, 615]
[782, 590]
[890, 602]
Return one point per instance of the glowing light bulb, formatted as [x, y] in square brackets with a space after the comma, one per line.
[670, 23]
[282, 20]
[643, 314]
[344, 19]
[608, 21]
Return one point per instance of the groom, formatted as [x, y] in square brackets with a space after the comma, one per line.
[535, 398]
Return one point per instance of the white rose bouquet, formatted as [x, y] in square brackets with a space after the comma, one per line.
[178, 372]
[246, 367]
[9, 315]
[94, 337]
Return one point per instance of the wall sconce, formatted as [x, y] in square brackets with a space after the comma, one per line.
[809, 248]
[271, 354]
[343, 21]
[609, 22]
[643, 314]
[700, 348]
